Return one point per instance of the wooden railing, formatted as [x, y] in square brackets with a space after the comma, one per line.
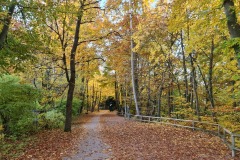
[231, 139]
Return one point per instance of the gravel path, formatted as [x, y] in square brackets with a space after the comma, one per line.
[92, 147]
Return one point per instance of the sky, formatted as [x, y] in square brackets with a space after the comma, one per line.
[102, 3]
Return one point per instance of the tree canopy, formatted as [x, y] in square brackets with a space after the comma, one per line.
[183, 57]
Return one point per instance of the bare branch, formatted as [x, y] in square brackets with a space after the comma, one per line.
[99, 38]
[96, 7]
[54, 30]
[96, 59]
[87, 22]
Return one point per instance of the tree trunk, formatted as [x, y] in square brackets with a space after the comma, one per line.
[208, 98]
[96, 98]
[184, 70]
[87, 94]
[116, 92]
[100, 97]
[233, 28]
[82, 94]
[121, 93]
[194, 82]
[69, 106]
[133, 66]
[125, 95]
[210, 73]
[71, 82]
[149, 86]
[93, 98]
[159, 102]
[169, 98]
[232, 24]
[7, 22]
[206, 85]
[170, 85]
[169, 101]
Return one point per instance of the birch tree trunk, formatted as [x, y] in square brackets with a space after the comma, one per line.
[133, 65]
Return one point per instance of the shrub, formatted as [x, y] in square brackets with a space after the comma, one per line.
[61, 106]
[230, 120]
[1, 134]
[17, 102]
[51, 119]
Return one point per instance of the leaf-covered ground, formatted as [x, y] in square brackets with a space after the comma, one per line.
[49, 144]
[92, 146]
[125, 140]
[143, 141]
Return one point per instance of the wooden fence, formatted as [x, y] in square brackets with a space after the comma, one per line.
[230, 138]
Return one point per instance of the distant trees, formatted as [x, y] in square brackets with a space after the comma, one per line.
[186, 65]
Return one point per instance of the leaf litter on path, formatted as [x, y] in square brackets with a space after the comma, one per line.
[143, 141]
[126, 139]
[55, 144]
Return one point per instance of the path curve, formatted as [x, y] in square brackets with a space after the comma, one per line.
[92, 147]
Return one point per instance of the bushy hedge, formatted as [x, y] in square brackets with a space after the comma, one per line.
[51, 119]
[61, 106]
[17, 102]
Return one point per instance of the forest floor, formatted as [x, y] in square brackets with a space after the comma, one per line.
[144, 141]
[92, 146]
[104, 135]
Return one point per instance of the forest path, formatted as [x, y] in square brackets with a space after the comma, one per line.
[92, 146]
[109, 136]
[143, 141]
[104, 135]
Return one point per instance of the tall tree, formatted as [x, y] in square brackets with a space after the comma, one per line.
[6, 23]
[134, 64]
[72, 79]
[233, 26]
[65, 21]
